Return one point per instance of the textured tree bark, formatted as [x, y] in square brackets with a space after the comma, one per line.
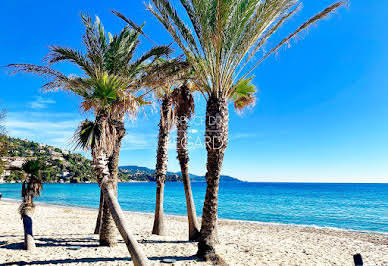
[101, 154]
[99, 217]
[216, 137]
[29, 242]
[161, 163]
[108, 234]
[138, 256]
[158, 228]
[183, 157]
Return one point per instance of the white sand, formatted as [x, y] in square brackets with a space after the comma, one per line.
[58, 229]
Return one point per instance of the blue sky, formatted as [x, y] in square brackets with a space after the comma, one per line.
[321, 115]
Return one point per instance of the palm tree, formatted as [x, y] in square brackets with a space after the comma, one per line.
[31, 187]
[222, 41]
[165, 124]
[163, 92]
[110, 88]
[184, 109]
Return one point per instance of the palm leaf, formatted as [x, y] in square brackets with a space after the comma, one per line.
[86, 135]
[227, 35]
[244, 94]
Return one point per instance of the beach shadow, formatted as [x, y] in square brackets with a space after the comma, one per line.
[11, 236]
[58, 242]
[62, 261]
[165, 241]
[13, 246]
[66, 242]
[177, 258]
[92, 260]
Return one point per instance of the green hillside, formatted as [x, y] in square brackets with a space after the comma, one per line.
[65, 166]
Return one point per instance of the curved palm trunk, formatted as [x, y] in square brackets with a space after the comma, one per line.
[26, 211]
[137, 254]
[29, 242]
[183, 157]
[99, 217]
[161, 164]
[103, 158]
[216, 138]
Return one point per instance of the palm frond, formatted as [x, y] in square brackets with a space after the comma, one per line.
[32, 167]
[227, 35]
[321, 15]
[59, 54]
[86, 135]
[244, 95]
[132, 24]
[183, 102]
[155, 52]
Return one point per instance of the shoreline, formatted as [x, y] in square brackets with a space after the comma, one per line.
[306, 226]
[64, 236]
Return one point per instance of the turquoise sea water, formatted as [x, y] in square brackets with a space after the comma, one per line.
[347, 206]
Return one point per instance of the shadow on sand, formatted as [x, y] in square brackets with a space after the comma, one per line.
[57, 242]
[164, 241]
[86, 242]
[91, 260]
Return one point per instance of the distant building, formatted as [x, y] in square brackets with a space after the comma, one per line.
[54, 153]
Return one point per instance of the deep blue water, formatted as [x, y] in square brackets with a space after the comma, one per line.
[348, 206]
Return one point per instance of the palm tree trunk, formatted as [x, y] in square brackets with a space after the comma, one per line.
[110, 198]
[99, 217]
[108, 186]
[107, 232]
[183, 157]
[158, 228]
[161, 164]
[29, 242]
[138, 256]
[216, 138]
[108, 235]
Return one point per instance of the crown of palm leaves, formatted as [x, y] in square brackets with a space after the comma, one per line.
[111, 77]
[226, 34]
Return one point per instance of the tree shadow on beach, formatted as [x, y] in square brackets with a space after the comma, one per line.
[56, 242]
[63, 261]
[12, 246]
[66, 242]
[145, 241]
[94, 260]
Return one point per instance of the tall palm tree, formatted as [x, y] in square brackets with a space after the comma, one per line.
[223, 39]
[31, 187]
[163, 92]
[165, 124]
[109, 88]
[184, 109]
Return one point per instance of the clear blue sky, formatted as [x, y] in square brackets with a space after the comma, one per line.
[322, 113]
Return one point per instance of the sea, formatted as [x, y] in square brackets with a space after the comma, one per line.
[361, 207]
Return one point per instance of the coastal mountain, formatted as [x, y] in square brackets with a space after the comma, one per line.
[60, 165]
[149, 174]
[64, 166]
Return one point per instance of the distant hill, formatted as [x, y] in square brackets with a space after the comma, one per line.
[63, 166]
[149, 174]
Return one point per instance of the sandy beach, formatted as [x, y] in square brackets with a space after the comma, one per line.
[64, 237]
